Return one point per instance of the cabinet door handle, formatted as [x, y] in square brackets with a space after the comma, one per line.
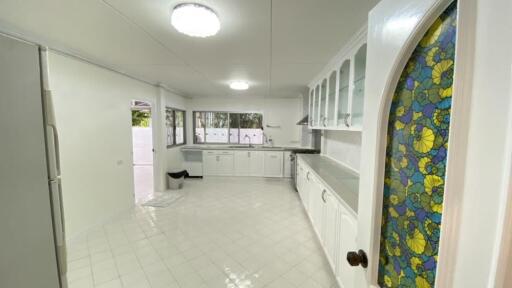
[324, 122]
[323, 196]
[307, 176]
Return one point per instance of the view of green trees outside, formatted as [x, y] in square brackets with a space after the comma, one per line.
[141, 118]
[225, 127]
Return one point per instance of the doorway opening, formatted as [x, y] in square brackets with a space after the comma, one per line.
[142, 141]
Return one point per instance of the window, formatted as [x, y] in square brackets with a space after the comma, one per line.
[226, 127]
[175, 126]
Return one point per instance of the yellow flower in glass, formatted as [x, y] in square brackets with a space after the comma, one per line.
[433, 183]
[432, 34]
[423, 140]
[422, 165]
[422, 282]
[430, 56]
[388, 281]
[439, 70]
[416, 242]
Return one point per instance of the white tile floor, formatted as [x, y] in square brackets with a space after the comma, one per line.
[225, 232]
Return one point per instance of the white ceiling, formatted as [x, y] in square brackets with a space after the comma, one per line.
[135, 36]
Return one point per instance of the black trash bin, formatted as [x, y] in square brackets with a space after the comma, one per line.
[175, 180]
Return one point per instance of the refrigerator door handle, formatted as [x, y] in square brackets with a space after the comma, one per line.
[56, 147]
[54, 150]
[58, 222]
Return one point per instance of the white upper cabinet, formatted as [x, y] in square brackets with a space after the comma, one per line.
[358, 88]
[316, 107]
[337, 95]
[323, 104]
[331, 100]
[344, 83]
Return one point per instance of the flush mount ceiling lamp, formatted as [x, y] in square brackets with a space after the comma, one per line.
[195, 20]
[239, 85]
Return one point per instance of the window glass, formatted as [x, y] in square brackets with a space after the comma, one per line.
[169, 126]
[175, 127]
[180, 127]
[199, 127]
[226, 127]
[251, 128]
[234, 125]
[216, 127]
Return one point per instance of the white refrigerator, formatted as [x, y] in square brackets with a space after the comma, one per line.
[32, 236]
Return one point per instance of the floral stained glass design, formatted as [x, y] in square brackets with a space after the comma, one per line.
[416, 160]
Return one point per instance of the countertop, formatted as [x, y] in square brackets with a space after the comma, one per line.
[339, 179]
[243, 148]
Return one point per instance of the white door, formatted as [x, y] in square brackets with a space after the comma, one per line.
[388, 50]
[242, 163]
[273, 164]
[287, 169]
[256, 163]
[225, 164]
[347, 242]
[210, 163]
[331, 225]
[142, 145]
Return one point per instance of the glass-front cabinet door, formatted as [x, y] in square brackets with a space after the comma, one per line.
[344, 83]
[331, 106]
[323, 104]
[311, 107]
[316, 107]
[358, 88]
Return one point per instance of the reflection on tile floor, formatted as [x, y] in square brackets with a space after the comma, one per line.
[224, 232]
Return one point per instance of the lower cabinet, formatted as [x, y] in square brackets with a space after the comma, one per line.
[334, 224]
[249, 163]
[346, 242]
[218, 163]
[273, 164]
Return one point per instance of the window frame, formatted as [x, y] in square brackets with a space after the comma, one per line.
[174, 110]
[194, 139]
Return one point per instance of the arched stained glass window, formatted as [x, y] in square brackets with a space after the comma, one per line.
[417, 147]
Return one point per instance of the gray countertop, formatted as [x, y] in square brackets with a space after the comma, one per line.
[241, 147]
[339, 179]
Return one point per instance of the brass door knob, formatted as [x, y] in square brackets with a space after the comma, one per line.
[357, 258]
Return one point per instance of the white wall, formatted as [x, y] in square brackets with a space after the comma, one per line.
[92, 107]
[343, 146]
[284, 112]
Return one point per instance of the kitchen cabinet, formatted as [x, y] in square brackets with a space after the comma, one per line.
[273, 164]
[331, 99]
[337, 93]
[218, 163]
[344, 83]
[256, 163]
[331, 228]
[356, 119]
[287, 162]
[334, 223]
[346, 242]
[323, 104]
[242, 163]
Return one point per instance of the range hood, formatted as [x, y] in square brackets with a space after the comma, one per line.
[304, 121]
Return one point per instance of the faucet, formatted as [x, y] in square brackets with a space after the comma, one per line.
[247, 136]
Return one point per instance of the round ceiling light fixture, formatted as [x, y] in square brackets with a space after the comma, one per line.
[239, 85]
[195, 20]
